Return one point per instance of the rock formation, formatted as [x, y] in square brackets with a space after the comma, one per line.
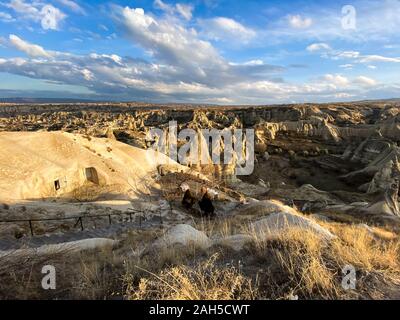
[276, 223]
[387, 203]
[51, 165]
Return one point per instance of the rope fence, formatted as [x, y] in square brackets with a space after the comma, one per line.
[79, 220]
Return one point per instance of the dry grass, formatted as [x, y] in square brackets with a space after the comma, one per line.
[92, 274]
[204, 281]
[297, 262]
[219, 228]
[361, 249]
[21, 275]
[98, 275]
[293, 265]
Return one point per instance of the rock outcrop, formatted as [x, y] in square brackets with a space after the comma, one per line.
[184, 235]
[40, 165]
[277, 223]
[387, 203]
[262, 208]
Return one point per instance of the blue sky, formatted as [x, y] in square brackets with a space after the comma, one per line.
[201, 51]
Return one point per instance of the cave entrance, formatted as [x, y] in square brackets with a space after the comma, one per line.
[57, 185]
[91, 175]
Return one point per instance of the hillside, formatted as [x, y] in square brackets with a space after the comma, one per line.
[40, 165]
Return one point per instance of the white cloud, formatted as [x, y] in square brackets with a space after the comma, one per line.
[163, 6]
[186, 68]
[6, 17]
[51, 17]
[298, 22]
[170, 42]
[182, 67]
[184, 10]
[226, 29]
[128, 78]
[103, 27]
[318, 47]
[348, 54]
[365, 81]
[21, 7]
[336, 79]
[31, 50]
[180, 48]
[357, 57]
[378, 58]
[72, 5]
[346, 66]
[47, 15]
[248, 63]
[87, 74]
[391, 46]
[377, 20]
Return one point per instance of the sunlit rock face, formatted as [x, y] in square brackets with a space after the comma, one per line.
[340, 153]
[36, 165]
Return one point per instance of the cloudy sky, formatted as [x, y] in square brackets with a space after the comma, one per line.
[206, 51]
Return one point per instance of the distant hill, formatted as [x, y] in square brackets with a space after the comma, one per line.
[385, 100]
[18, 100]
[44, 100]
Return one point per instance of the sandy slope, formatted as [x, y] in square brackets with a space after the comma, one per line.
[31, 162]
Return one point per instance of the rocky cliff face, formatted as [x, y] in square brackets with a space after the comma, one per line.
[350, 149]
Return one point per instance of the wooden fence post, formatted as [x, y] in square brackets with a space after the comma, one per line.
[31, 227]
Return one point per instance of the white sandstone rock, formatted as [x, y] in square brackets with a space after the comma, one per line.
[277, 223]
[185, 235]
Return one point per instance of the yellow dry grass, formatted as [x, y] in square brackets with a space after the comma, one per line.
[312, 268]
[293, 262]
[204, 281]
[220, 227]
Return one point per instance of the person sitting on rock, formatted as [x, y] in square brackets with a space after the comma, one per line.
[205, 204]
[188, 200]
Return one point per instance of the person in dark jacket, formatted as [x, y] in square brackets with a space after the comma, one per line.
[188, 200]
[206, 206]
